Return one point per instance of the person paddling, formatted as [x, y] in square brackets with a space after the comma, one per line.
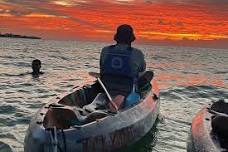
[121, 64]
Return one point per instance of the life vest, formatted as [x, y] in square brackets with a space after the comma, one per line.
[118, 64]
[117, 71]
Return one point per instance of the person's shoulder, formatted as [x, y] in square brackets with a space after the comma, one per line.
[107, 48]
[137, 51]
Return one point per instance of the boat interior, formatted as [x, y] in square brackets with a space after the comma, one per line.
[219, 111]
[85, 105]
[77, 108]
[91, 103]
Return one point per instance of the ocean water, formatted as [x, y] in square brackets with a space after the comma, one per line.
[189, 78]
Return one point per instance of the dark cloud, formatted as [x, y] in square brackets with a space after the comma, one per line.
[24, 7]
[41, 6]
[19, 12]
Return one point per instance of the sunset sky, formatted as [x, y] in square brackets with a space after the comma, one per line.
[98, 19]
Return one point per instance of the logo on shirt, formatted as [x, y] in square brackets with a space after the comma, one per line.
[117, 63]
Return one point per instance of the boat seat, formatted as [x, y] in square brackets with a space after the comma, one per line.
[98, 103]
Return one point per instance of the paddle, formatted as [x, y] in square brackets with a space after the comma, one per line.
[96, 75]
[217, 113]
[132, 98]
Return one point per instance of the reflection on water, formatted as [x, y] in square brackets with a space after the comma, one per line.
[188, 78]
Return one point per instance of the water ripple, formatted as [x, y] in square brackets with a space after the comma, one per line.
[189, 78]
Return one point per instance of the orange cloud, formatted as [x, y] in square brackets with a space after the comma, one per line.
[67, 19]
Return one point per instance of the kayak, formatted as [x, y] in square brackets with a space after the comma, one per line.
[209, 130]
[5, 147]
[81, 122]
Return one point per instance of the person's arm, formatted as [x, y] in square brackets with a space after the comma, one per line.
[101, 58]
[143, 65]
[142, 62]
[100, 62]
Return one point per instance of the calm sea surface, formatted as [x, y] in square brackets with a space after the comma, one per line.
[189, 78]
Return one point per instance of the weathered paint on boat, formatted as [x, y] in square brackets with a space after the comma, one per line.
[201, 137]
[106, 134]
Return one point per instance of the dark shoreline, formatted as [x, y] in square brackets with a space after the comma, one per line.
[9, 35]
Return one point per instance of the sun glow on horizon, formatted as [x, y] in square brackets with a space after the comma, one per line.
[181, 36]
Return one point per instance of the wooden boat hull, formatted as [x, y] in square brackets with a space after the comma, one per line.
[107, 134]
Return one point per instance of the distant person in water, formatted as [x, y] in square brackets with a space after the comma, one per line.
[36, 65]
[121, 64]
